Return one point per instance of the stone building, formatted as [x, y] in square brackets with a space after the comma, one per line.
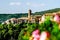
[12, 20]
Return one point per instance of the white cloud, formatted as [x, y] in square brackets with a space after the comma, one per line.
[35, 4]
[15, 3]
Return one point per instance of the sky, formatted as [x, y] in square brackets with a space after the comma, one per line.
[22, 6]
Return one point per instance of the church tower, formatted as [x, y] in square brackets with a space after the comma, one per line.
[29, 14]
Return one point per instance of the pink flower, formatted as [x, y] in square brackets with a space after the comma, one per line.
[36, 34]
[37, 37]
[44, 35]
[57, 18]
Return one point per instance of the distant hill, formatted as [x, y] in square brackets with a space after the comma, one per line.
[48, 11]
[4, 17]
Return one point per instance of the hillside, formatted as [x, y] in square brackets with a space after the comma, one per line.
[4, 17]
[48, 11]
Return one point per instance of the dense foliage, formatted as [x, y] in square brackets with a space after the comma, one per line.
[23, 31]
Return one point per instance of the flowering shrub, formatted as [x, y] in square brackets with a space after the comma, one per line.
[27, 31]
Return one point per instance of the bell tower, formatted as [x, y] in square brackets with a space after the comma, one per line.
[29, 13]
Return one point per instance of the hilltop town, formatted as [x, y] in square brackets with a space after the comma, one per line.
[32, 18]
